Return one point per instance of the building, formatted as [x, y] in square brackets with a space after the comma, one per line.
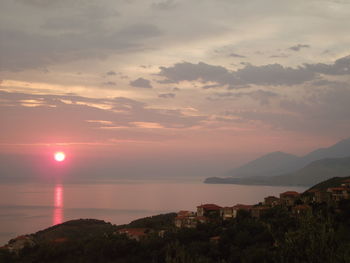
[288, 198]
[17, 244]
[271, 201]
[346, 183]
[188, 219]
[134, 233]
[209, 210]
[339, 193]
[227, 212]
[258, 211]
[240, 207]
[301, 210]
[321, 196]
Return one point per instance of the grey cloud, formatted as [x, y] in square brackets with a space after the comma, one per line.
[189, 72]
[211, 86]
[234, 55]
[165, 5]
[141, 83]
[298, 47]
[111, 73]
[167, 95]
[143, 30]
[262, 96]
[279, 56]
[109, 83]
[271, 74]
[340, 67]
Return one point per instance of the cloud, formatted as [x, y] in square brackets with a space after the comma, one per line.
[270, 74]
[167, 95]
[109, 83]
[66, 118]
[279, 56]
[234, 55]
[111, 73]
[141, 83]
[165, 5]
[262, 96]
[186, 71]
[298, 47]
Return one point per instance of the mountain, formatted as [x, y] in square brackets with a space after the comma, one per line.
[312, 173]
[333, 182]
[269, 164]
[278, 163]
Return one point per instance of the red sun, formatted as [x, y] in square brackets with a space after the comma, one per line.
[59, 156]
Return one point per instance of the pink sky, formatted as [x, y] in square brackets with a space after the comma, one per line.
[132, 87]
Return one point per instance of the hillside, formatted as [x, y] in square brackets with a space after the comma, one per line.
[311, 174]
[333, 182]
[272, 163]
[278, 163]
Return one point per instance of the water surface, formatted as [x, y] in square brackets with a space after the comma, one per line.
[27, 208]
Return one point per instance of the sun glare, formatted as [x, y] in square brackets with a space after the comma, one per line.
[59, 156]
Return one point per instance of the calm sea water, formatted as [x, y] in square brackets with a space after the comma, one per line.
[27, 208]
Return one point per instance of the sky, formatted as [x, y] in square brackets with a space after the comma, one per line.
[180, 87]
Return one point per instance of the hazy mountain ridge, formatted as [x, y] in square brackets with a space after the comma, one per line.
[278, 163]
[316, 166]
[311, 174]
[275, 162]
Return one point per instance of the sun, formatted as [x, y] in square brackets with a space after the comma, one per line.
[59, 156]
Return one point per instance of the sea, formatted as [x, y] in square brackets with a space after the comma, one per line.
[29, 207]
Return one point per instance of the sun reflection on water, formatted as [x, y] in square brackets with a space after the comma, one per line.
[58, 205]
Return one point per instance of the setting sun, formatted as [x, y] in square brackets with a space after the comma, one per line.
[59, 156]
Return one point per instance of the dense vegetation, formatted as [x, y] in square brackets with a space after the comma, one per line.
[323, 236]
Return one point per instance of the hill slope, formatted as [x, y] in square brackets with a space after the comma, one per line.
[311, 174]
[277, 163]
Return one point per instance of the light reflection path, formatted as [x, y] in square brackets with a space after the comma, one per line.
[57, 217]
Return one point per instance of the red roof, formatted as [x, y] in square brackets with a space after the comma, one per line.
[271, 197]
[293, 193]
[210, 207]
[337, 188]
[184, 213]
[242, 207]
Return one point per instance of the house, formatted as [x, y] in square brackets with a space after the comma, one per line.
[209, 210]
[301, 209]
[321, 196]
[288, 198]
[346, 183]
[227, 212]
[271, 201]
[258, 211]
[339, 193]
[134, 233]
[239, 207]
[186, 221]
[18, 243]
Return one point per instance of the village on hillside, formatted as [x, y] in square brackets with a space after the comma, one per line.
[297, 203]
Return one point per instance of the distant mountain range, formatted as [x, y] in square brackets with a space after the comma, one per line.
[280, 168]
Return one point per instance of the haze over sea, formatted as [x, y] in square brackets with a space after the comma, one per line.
[28, 207]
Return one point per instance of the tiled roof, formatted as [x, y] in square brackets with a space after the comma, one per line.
[210, 207]
[290, 193]
[243, 207]
[337, 188]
